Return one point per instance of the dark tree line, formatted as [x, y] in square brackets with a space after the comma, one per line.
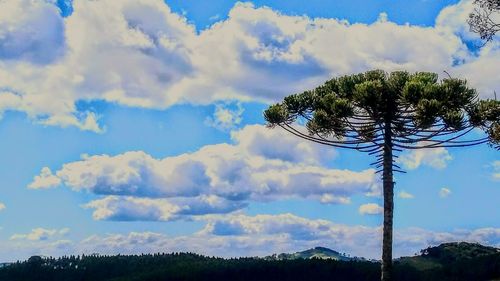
[183, 266]
[187, 267]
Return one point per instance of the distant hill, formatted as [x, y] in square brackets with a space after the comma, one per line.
[459, 250]
[436, 257]
[451, 261]
[465, 261]
[315, 253]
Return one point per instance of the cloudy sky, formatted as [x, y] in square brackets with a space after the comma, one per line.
[136, 126]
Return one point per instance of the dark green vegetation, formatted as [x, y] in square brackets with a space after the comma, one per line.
[455, 261]
[451, 261]
[385, 113]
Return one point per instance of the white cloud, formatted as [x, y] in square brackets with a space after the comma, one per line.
[297, 227]
[137, 51]
[142, 54]
[144, 209]
[38, 234]
[225, 117]
[437, 158]
[214, 17]
[370, 209]
[262, 165]
[477, 69]
[260, 235]
[276, 144]
[405, 195]
[30, 31]
[241, 235]
[64, 231]
[480, 70]
[35, 76]
[496, 170]
[86, 122]
[332, 199]
[269, 55]
[444, 192]
[9, 101]
[45, 180]
[453, 19]
[2, 206]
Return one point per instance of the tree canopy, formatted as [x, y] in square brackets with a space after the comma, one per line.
[351, 112]
[484, 20]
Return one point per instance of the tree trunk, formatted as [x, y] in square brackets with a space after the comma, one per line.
[388, 183]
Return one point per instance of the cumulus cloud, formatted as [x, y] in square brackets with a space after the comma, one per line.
[444, 192]
[370, 209]
[285, 54]
[38, 234]
[436, 158]
[478, 68]
[479, 71]
[405, 195]
[144, 209]
[30, 31]
[2, 206]
[279, 145]
[260, 235]
[45, 180]
[217, 178]
[142, 54]
[299, 228]
[453, 19]
[136, 52]
[35, 76]
[9, 101]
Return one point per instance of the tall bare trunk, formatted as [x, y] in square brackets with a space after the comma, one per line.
[388, 183]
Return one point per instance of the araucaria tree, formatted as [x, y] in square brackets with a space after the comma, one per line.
[383, 114]
[485, 19]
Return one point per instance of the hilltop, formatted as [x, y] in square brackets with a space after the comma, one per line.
[314, 253]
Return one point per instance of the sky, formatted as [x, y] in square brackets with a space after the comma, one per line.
[136, 126]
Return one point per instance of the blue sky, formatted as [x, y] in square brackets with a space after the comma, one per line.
[114, 115]
[203, 14]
